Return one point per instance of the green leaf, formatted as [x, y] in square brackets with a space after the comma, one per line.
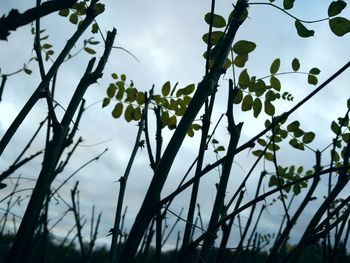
[218, 21]
[118, 110]
[308, 137]
[275, 66]
[335, 8]
[105, 102]
[335, 128]
[64, 12]
[27, 71]
[288, 4]
[269, 108]
[140, 98]
[335, 156]
[273, 181]
[129, 112]
[94, 28]
[190, 132]
[295, 64]
[243, 79]
[188, 89]
[137, 114]
[296, 189]
[302, 30]
[114, 76]
[111, 90]
[220, 148]
[123, 77]
[269, 156]
[166, 89]
[275, 83]
[312, 79]
[314, 71]
[215, 37]
[258, 153]
[99, 8]
[196, 126]
[293, 126]
[262, 142]
[339, 26]
[243, 47]
[247, 103]
[238, 97]
[257, 106]
[172, 122]
[240, 60]
[47, 46]
[346, 137]
[73, 18]
[90, 50]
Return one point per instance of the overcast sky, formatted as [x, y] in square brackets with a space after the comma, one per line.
[165, 36]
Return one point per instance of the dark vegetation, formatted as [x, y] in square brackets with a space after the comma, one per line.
[184, 111]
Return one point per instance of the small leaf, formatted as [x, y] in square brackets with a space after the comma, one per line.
[269, 108]
[312, 79]
[47, 46]
[73, 18]
[293, 126]
[243, 47]
[218, 21]
[295, 64]
[64, 12]
[258, 153]
[27, 71]
[262, 142]
[247, 103]
[238, 97]
[172, 122]
[214, 141]
[123, 77]
[105, 102]
[335, 8]
[94, 28]
[308, 137]
[166, 89]
[339, 26]
[275, 66]
[188, 89]
[269, 156]
[118, 110]
[140, 98]
[196, 126]
[220, 148]
[240, 60]
[114, 76]
[302, 30]
[129, 112]
[190, 132]
[243, 79]
[257, 106]
[335, 128]
[335, 156]
[90, 50]
[275, 83]
[215, 37]
[314, 71]
[137, 114]
[288, 4]
[111, 90]
[273, 181]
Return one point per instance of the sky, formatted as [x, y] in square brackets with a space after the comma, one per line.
[166, 39]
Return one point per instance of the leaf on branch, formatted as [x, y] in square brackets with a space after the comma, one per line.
[295, 64]
[247, 103]
[105, 102]
[118, 110]
[339, 26]
[243, 47]
[336, 7]
[275, 66]
[218, 21]
[73, 18]
[308, 137]
[215, 37]
[166, 89]
[312, 79]
[257, 106]
[89, 50]
[64, 12]
[302, 30]
[288, 4]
